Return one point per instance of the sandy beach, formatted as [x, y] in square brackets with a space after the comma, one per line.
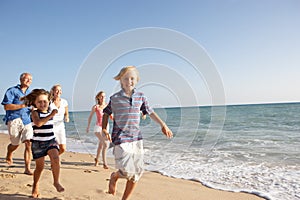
[83, 180]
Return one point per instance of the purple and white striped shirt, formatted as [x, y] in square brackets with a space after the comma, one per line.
[126, 112]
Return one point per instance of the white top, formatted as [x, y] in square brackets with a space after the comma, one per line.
[59, 116]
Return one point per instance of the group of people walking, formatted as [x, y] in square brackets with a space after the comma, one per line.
[36, 118]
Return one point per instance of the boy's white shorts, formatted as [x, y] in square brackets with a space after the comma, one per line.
[129, 158]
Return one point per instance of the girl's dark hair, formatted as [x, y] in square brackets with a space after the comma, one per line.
[30, 98]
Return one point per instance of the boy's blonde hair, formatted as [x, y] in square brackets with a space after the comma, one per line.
[126, 69]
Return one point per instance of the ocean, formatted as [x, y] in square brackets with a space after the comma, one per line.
[239, 148]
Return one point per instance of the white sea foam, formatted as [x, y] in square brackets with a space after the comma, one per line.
[217, 171]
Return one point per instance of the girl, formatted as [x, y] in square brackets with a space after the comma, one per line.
[125, 106]
[43, 141]
[62, 116]
[103, 142]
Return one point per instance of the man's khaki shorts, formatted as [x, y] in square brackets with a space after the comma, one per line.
[19, 132]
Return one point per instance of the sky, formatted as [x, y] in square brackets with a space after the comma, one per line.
[189, 53]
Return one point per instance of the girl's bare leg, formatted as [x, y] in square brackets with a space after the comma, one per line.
[39, 166]
[105, 145]
[98, 149]
[55, 166]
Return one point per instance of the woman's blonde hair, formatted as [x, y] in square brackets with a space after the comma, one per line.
[126, 69]
[52, 90]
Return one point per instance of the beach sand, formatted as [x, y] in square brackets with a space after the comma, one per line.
[82, 180]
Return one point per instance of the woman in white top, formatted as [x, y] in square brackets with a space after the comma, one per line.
[62, 116]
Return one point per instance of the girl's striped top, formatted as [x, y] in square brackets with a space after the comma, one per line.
[44, 132]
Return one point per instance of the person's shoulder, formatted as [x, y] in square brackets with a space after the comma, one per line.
[117, 94]
[34, 112]
[12, 92]
[64, 101]
[52, 105]
[95, 107]
[139, 93]
[13, 88]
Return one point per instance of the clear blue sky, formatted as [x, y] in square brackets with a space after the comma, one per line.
[254, 45]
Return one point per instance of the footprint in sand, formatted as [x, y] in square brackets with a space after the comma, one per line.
[7, 175]
[3, 189]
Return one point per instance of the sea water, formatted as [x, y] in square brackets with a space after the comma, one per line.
[248, 148]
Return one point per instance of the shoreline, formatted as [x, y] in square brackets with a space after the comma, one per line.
[83, 180]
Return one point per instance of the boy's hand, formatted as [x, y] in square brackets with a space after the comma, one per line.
[106, 134]
[165, 129]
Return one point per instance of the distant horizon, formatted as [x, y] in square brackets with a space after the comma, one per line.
[243, 104]
[199, 106]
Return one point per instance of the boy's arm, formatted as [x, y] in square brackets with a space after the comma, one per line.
[104, 126]
[164, 128]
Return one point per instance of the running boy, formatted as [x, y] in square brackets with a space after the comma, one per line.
[125, 106]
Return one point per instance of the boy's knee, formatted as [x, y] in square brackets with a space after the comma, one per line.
[12, 147]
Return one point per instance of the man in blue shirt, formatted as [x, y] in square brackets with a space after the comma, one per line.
[17, 119]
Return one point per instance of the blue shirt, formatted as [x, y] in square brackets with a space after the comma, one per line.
[12, 96]
[126, 112]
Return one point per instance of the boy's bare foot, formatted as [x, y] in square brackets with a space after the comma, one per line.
[28, 172]
[9, 160]
[58, 187]
[35, 193]
[96, 162]
[112, 183]
[105, 166]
